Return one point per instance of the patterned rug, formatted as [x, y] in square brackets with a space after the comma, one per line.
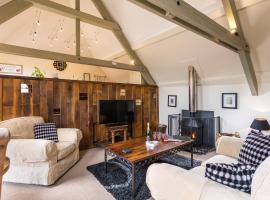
[118, 179]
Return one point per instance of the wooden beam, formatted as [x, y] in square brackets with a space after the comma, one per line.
[73, 13]
[235, 24]
[35, 53]
[13, 8]
[124, 42]
[78, 30]
[181, 13]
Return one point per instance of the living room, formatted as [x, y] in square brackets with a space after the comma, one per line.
[131, 99]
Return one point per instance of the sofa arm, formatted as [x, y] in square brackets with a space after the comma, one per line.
[229, 146]
[69, 135]
[168, 182]
[31, 150]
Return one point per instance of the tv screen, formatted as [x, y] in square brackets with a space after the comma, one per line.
[116, 111]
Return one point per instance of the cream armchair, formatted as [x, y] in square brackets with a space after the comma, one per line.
[37, 161]
[168, 182]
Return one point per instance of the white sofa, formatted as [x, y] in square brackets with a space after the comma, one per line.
[37, 161]
[168, 182]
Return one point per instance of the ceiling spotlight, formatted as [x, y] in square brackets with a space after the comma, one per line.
[68, 47]
[132, 62]
[56, 38]
[33, 41]
[74, 42]
[82, 34]
[114, 63]
[89, 47]
[35, 33]
[82, 51]
[61, 30]
[38, 22]
[233, 31]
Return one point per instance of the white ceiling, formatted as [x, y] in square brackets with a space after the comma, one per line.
[166, 59]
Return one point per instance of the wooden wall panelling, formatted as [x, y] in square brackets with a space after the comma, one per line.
[146, 108]
[46, 100]
[11, 98]
[30, 101]
[137, 125]
[153, 108]
[72, 104]
[1, 99]
[112, 91]
[63, 85]
[56, 103]
[84, 114]
[90, 115]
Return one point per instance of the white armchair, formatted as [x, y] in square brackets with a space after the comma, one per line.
[168, 182]
[37, 161]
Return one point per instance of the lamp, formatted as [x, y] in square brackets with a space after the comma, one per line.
[260, 124]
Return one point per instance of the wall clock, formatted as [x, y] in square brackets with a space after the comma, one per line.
[60, 65]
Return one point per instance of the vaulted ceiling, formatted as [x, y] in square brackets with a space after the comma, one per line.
[166, 49]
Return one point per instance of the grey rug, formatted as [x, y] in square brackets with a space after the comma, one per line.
[118, 179]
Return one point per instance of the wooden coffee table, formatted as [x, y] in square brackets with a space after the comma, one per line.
[140, 154]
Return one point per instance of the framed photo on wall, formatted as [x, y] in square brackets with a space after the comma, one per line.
[10, 69]
[229, 100]
[172, 100]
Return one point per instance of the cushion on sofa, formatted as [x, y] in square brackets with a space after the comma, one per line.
[237, 176]
[255, 149]
[64, 149]
[46, 131]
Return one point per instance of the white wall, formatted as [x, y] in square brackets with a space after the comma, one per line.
[209, 98]
[73, 71]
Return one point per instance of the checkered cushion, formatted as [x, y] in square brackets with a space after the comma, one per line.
[237, 176]
[46, 131]
[255, 149]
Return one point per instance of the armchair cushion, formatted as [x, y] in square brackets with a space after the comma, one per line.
[64, 149]
[46, 131]
[255, 149]
[30, 150]
[69, 135]
[229, 146]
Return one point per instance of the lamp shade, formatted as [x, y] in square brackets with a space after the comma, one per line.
[260, 124]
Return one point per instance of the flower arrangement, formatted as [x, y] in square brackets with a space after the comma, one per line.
[38, 73]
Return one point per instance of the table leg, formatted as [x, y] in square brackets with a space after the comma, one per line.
[105, 158]
[191, 151]
[125, 135]
[133, 181]
[113, 139]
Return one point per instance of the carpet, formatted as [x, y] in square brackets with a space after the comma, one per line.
[118, 179]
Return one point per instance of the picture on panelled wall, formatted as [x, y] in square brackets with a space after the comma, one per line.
[10, 69]
[229, 100]
[172, 100]
[86, 76]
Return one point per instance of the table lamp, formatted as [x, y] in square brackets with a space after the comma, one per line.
[260, 124]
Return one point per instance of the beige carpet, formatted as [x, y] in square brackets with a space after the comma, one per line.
[76, 184]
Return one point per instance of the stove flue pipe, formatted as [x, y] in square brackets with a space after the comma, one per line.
[192, 84]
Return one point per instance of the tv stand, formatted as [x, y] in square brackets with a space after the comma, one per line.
[113, 130]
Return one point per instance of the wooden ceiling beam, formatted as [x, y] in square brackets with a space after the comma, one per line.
[13, 8]
[181, 13]
[124, 42]
[73, 13]
[35, 53]
[245, 58]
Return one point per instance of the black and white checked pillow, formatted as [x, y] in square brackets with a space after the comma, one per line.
[255, 149]
[237, 176]
[46, 131]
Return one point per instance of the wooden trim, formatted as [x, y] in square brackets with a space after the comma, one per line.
[234, 22]
[29, 52]
[13, 8]
[124, 42]
[188, 17]
[73, 13]
[1, 97]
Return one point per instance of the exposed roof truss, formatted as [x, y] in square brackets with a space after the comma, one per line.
[15, 7]
[181, 13]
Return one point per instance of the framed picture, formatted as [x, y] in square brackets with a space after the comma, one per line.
[229, 100]
[86, 77]
[10, 69]
[172, 100]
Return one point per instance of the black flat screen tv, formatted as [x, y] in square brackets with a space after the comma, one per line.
[116, 111]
